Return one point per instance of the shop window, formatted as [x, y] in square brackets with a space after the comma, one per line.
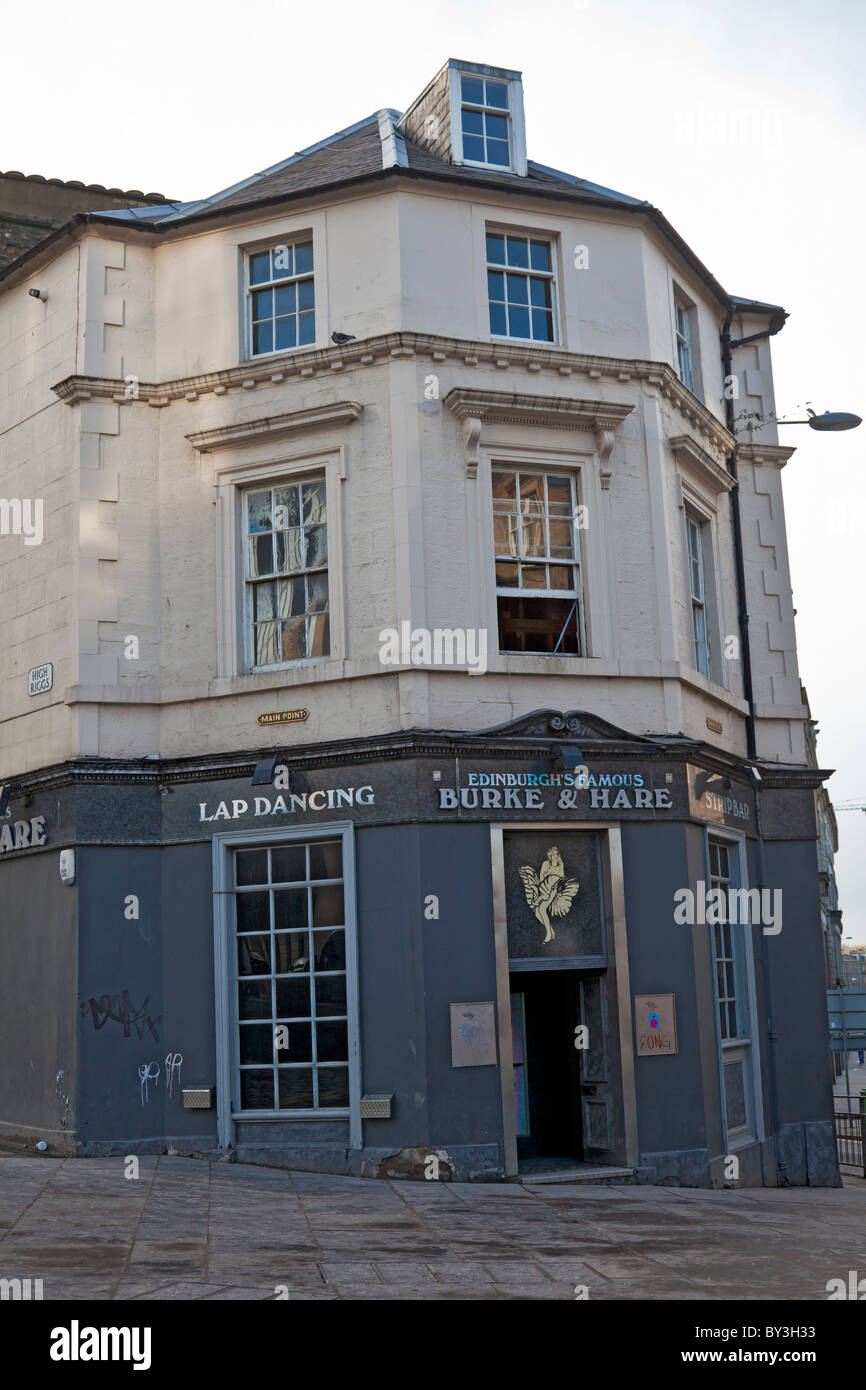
[537, 558]
[289, 976]
[286, 573]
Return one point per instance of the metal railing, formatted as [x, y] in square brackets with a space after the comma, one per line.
[850, 1126]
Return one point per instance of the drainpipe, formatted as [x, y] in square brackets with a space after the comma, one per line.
[748, 690]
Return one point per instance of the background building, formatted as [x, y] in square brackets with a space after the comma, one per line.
[404, 381]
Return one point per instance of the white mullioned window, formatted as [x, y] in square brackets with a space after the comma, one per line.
[724, 945]
[697, 585]
[281, 298]
[538, 566]
[290, 1006]
[684, 343]
[286, 572]
[520, 287]
[485, 122]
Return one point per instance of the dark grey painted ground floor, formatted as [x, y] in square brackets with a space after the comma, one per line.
[441, 955]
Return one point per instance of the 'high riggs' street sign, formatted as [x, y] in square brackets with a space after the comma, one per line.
[571, 791]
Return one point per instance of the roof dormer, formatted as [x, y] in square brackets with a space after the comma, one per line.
[471, 114]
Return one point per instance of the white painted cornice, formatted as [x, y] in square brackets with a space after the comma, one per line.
[696, 461]
[543, 363]
[274, 426]
[475, 408]
[774, 455]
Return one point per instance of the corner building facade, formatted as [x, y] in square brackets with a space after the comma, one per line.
[331, 913]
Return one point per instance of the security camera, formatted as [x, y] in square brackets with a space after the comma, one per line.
[37, 294]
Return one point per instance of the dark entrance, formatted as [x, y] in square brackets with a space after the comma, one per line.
[544, 1014]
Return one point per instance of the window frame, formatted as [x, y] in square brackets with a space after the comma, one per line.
[683, 342]
[231, 480]
[576, 564]
[698, 601]
[745, 1048]
[515, 117]
[301, 236]
[249, 581]
[524, 234]
[229, 1112]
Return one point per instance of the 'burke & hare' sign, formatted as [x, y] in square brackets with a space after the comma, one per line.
[578, 790]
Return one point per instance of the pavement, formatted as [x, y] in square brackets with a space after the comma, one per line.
[187, 1229]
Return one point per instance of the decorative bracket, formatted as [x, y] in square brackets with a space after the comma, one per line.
[471, 436]
[604, 443]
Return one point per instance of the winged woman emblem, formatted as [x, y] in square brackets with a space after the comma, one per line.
[549, 893]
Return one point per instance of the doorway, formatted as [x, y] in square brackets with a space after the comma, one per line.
[545, 1011]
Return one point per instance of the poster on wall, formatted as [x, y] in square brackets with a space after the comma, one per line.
[473, 1035]
[655, 1025]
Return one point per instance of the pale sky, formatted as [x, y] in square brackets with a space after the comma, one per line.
[743, 120]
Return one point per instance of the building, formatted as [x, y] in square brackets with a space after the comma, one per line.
[380, 738]
[33, 207]
[828, 847]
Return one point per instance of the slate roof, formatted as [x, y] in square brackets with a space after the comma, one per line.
[373, 148]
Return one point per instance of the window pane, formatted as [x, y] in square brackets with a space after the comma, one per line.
[292, 600]
[288, 864]
[266, 649]
[317, 545]
[534, 576]
[254, 999]
[534, 542]
[287, 511]
[539, 293]
[504, 486]
[539, 255]
[314, 508]
[283, 262]
[284, 300]
[497, 129]
[532, 493]
[260, 268]
[561, 538]
[334, 1086]
[306, 295]
[295, 1088]
[304, 258]
[542, 325]
[289, 555]
[257, 1090]
[518, 322]
[293, 640]
[290, 908]
[251, 866]
[497, 94]
[291, 952]
[317, 592]
[473, 122]
[326, 860]
[536, 624]
[261, 555]
[300, 1039]
[518, 252]
[285, 334]
[495, 285]
[498, 321]
[507, 575]
[473, 148]
[332, 1042]
[263, 337]
[330, 948]
[495, 248]
[264, 601]
[472, 89]
[497, 152]
[293, 1001]
[306, 328]
[253, 912]
[561, 577]
[505, 533]
[257, 1043]
[331, 996]
[318, 636]
[328, 906]
[259, 511]
[254, 955]
[263, 304]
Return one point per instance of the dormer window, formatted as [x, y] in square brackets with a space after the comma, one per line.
[486, 125]
[484, 121]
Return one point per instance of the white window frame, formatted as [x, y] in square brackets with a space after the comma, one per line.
[514, 115]
[575, 564]
[229, 1112]
[232, 480]
[683, 336]
[249, 581]
[238, 251]
[746, 1048]
[698, 601]
[525, 234]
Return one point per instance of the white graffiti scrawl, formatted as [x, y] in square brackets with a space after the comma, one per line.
[173, 1064]
[148, 1071]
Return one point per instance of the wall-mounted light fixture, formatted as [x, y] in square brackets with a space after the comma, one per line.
[263, 774]
[37, 294]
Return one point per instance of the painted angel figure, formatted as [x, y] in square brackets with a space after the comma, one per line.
[549, 893]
